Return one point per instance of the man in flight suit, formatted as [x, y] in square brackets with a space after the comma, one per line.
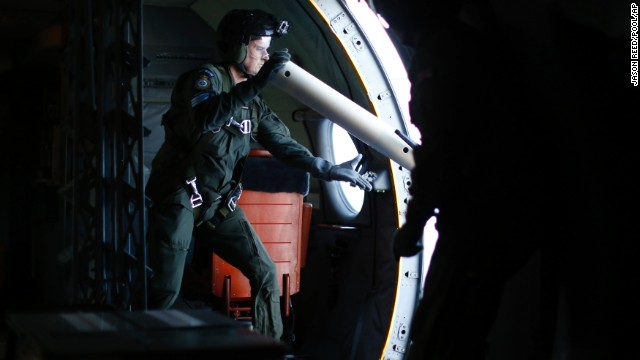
[216, 112]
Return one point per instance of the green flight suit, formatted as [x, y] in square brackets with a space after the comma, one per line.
[206, 137]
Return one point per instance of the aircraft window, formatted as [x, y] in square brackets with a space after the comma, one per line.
[343, 150]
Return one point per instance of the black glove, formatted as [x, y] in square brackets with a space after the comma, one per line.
[248, 90]
[408, 240]
[276, 61]
[346, 172]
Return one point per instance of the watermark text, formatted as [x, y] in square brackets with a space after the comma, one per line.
[634, 44]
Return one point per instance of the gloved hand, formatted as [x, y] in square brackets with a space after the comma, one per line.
[346, 172]
[276, 61]
[407, 240]
[248, 90]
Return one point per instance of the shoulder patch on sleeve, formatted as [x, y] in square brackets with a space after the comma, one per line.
[199, 97]
[208, 79]
[203, 82]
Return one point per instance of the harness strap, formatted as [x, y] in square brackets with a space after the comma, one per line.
[245, 127]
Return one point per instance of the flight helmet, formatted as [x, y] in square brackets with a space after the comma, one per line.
[240, 26]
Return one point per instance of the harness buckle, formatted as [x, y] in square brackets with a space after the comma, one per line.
[232, 203]
[196, 198]
[245, 126]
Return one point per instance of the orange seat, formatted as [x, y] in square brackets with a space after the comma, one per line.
[282, 221]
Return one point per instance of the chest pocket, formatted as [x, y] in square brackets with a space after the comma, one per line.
[241, 127]
[234, 138]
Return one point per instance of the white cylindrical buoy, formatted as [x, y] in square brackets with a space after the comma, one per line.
[336, 107]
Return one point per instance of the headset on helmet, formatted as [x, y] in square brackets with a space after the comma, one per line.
[238, 27]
